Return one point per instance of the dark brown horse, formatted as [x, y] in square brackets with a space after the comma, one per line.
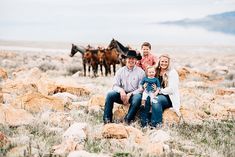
[122, 50]
[114, 54]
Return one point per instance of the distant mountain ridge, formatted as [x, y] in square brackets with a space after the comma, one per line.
[223, 22]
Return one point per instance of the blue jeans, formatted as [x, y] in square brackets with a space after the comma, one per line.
[154, 118]
[114, 96]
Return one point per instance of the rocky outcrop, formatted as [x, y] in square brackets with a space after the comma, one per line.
[16, 88]
[96, 100]
[36, 102]
[75, 90]
[3, 74]
[225, 91]
[185, 72]
[1, 96]
[73, 139]
[82, 153]
[4, 141]
[112, 130]
[120, 112]
[170, 117]
[14, 117]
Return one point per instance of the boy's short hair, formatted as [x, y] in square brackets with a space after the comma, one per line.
[146, 44]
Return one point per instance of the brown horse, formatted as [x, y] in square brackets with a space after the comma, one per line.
[96, 57]
[111, 57]
[102, 59]
[114, 54]
[122, 50]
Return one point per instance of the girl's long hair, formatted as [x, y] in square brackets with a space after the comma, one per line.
[164, 82]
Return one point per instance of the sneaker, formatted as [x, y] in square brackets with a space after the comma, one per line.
[154, 100]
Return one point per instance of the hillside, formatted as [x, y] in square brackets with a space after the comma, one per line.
[223, 22]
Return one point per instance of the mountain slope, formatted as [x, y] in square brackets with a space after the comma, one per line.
[223, 22]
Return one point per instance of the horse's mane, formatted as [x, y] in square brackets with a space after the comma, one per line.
[95, 51]
[123, 48]
[80, 49]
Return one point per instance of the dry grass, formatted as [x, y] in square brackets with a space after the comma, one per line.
[211, 138]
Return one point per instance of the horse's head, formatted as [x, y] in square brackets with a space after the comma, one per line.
[76, 49]
[87, 55]
[73, 50]
[112, 44]
[101, 54]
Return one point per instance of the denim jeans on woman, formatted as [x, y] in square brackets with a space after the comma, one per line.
[154, 118]
[114, 96]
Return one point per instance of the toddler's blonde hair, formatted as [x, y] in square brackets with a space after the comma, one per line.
[149, 67]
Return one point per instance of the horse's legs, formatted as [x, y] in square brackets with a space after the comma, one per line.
[93, 69]
[89, 69]
[106, 68]
[109, 69]
[84, 68]
[101, 69]
[96, 69]
[114, 69]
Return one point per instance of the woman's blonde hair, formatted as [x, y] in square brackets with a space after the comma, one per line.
[158, 70]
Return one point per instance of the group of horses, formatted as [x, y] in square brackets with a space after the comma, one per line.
[114, 54]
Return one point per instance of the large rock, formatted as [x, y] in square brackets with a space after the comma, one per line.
[36, 102]
[23, 150]
[224, 91]
[96, 100]
[66, 146]
[120, 112]
[190, 116]
[75, 90]
[185, 72]
[7, 54]
[83, 153]
[157, 136]
[136, 134]
[4, 141]
[14, 117]
[30, 76]
[222, 111]
[95, 103]
[154, 149]
[220, 70]
[34, 77]
[112, 130]
[3, 74]
[17, 88]
[73, 139]
[76, 131]
[61, 119]
[170, 117]
[1, 96]
[26, 81]
[67, 97]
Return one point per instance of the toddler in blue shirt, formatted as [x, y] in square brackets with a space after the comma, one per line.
[147, 86]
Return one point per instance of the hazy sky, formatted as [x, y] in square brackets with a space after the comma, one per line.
[53, 19]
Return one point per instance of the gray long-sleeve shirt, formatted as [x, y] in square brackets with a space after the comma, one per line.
[129, 80]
